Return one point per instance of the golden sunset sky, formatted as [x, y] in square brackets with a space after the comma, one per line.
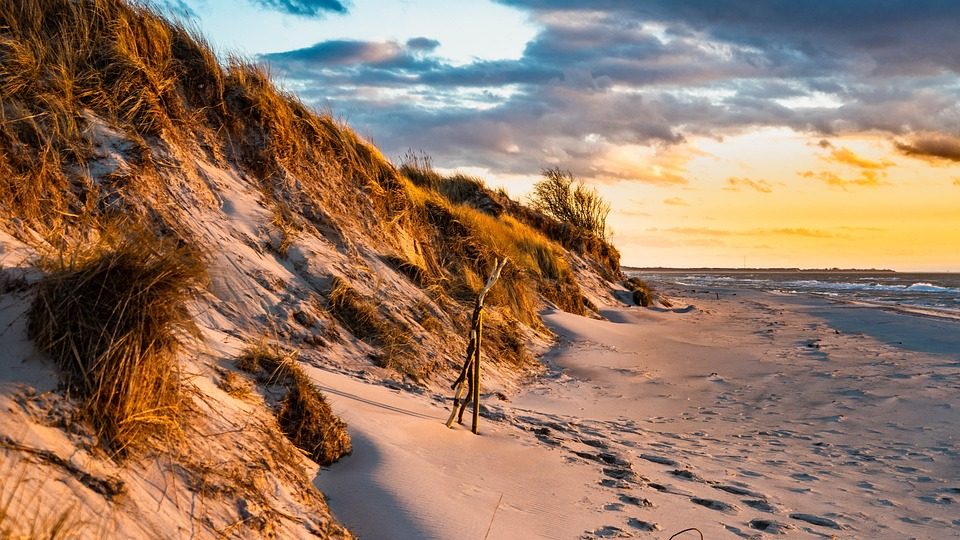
[723, 132]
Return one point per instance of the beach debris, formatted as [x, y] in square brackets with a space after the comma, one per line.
[470, 373]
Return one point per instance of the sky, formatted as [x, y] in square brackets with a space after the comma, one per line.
[782, 133]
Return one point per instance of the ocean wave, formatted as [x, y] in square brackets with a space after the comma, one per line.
[930, 287]
[921, 287]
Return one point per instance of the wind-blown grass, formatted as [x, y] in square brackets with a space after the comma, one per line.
[303, 413]
[113, 317]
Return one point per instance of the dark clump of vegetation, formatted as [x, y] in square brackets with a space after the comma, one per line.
[303, 413]
[414, 272]
[566, 198]
[643, 294]
[113, 318]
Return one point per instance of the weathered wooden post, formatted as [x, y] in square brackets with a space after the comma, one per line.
[470, 373]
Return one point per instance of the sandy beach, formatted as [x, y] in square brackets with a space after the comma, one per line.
[748, 415]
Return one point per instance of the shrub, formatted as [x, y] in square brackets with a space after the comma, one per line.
[113, 318]
[566, 198]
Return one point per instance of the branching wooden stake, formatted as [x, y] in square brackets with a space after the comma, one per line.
[470, 373]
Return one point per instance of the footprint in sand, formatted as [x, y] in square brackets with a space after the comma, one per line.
[816, 520]
[713, 504]
[737, 490]
[641, 525]
[659, 459]
[762, 505]
[635, 501]
[687, 474]
[609, 531]
[770, 526]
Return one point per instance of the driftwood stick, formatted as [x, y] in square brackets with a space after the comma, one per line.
[466, 364]
[470, 372]
[469, 398]
[476, 377]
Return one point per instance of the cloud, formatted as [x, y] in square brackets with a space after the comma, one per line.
[867, 178]
[606, 74]
[783, 231]
[956, 182]
[697, 231]
[675, 201]
[809, 233]
[736, 183]
[304, 8]
[935, 146]
[422, 44]
[846, 156]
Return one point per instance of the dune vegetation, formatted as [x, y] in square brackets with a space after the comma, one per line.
[170, 198]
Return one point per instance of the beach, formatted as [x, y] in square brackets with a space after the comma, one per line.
[739, 412]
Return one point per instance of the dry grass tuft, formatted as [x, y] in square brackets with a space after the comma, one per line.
[360, 315]
[303, 413]
[113, 317]
[643, 294]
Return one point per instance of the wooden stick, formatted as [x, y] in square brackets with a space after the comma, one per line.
[476, 377]
[456, 404]
[470, 372]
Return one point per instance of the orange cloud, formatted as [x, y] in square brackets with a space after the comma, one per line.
[784, 231]
[956, 182]
[799, 231]
[675, 201]
[846, 156]
[867, 178]
[734, 183]
[701, 231]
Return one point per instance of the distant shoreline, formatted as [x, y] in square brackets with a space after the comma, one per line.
[771, 270]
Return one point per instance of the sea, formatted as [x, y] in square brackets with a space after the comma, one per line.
[938, 292]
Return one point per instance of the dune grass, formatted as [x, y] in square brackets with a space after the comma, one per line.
[303, 413]
[643, 293]
[360, 315]
[113, 317]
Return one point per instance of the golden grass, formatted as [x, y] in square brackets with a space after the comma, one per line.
[303, 413]
[361, 316]
[113, 317]
[63, 62]
[53, 523]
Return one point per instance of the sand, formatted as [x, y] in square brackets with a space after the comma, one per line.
[749, 415]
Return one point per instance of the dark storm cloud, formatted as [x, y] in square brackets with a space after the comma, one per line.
[304, 8]
[653, 73]
[932, 146]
